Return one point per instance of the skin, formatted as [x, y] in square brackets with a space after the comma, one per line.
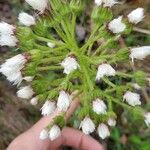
[29, 140]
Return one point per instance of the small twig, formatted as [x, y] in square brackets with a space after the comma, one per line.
[141, 30]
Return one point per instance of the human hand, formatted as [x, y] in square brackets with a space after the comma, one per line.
[29, 140]
[69, 137]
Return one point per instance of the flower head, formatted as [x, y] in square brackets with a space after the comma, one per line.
[109, 3]
[6, 29]
[136, 86]
[63, 102]
[69, 65]
[87, 125]
[8, 40]
[111, 122]
[99, 106]
[116, 25]
[34, 101]
[44, 134]
[136, 15]
[98, 2]
[51, 45]
[140, 52]
[48, 108]
[28, 78]
[12, 68]
[132, 99]
[39, 5]
[105, 70]
[25, 92]
[103, 131]
[26, 19]
[147, 119]
[54, 132]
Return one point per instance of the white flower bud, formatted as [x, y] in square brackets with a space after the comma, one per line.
[136, 15]
[140, 52]
[34, 101]
[39, 5]
[105, 70]
[11, 68]
[87, 125]
[132, 99]
[51, 45]
[54, 132]
[99, 106]
[17, 61]
[103, 131]
[147, 119]
[69, 65]
[26, 19]
[28, 78]
[15, 78]
[63, 102]
[116, 25]
[136, 86]
[44, 134]
[6, 29]
[8, 40]
[111, 122]
[98, 2]
[25, 92]
[109, 3]
[48, 108]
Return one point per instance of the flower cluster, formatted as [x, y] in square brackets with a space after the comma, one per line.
[60, 69]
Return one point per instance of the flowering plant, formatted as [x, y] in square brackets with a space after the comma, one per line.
[59, 68]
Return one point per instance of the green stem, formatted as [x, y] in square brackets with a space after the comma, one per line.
[52, 59]
[106, 80]
[125, 75]
[49, 68]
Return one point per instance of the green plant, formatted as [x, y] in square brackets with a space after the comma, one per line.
[60, 69]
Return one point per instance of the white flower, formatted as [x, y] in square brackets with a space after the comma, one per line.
[136, 86]
[111, 122]
[109, 3]
[103, 131]
[98, 2]
[25, 92]
[39, 5]
[11, 68]
[99, 106]
[136, 15]
[116, 25]
[132, 99]
[87, 125]
[147, 119]
[51, 45]
[44, 134]
[34, 101]
[105, 70]
[63, 102]
[48, 108]
[140, 52]
[8, 40]
[26, 19]
[12, 74]
[28, 78]
[54, 132]
[17, 61]
[6, 29]
[69, 65]
[15, 78]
